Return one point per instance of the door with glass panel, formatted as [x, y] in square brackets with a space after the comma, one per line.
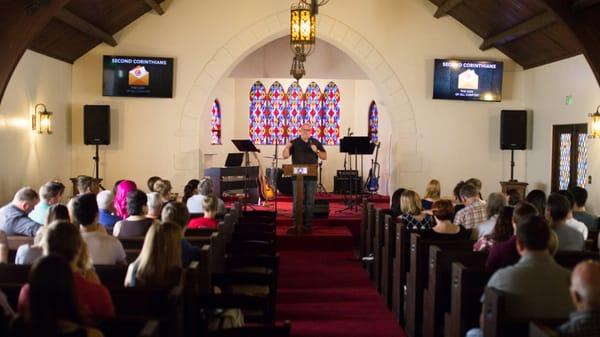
[569, 156]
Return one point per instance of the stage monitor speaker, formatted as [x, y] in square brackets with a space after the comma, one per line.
[347, 185]
[96, 124]
[513, 129]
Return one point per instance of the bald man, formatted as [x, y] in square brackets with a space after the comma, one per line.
[305, 150]
[585, 293]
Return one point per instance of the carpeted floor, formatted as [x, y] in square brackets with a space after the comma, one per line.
[327, 294]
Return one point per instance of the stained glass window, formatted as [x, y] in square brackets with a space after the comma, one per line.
[564, 175]
[330, 120]
[276, 116]
[313, 106]
[295, 110]
[373, 122]
[582, 159]
[215, 123]
[258, 126]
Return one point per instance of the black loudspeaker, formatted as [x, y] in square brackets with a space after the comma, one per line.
[513, 129]
[96, 124]
[347, 185]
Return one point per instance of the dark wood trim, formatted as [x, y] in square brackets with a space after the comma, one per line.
[543, 61]
[446, 7]
[574, 130]
[526, 27]
[579, 5]
[155, 6]
[20, 26]
[85, 27]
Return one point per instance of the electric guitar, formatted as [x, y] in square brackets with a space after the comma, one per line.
[266, 191]
[372, 183]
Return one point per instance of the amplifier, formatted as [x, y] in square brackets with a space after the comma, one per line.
[347, 185]
[347, 173]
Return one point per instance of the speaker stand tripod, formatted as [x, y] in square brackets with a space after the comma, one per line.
[320, 187]
[96, 159]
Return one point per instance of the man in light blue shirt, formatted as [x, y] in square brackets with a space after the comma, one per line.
[50, 194]
[13, 217]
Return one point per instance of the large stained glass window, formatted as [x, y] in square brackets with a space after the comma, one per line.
[276, 116]
[215, 123]
[564, 175]
[373, 122]
[582, 159]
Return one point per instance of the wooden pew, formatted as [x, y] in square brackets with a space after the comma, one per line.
[362, 248]
[416, 279]
[387, 258]
[436, 297]
[370, 235]
[14, 242]
[401, 266]
[378, 246]
[538, 330]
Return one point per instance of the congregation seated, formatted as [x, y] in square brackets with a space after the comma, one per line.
[53, 308]
[122, 189]
[395, 202]
[209, 204]
[50, 194]
[432, 194]
[503, 254]
[580, 213]
[443, 212]
[151, 181]
[557, 210]
[177, 213]
[102, 248]
[205, 188]
[412, 213]
[163, 188]
[64, 239]
[14, 218]
[154, 206]
[585, 294]
[107, 217]
[84, 184]
[538, 199]
[528, 283]
[571, 221]
[501, 232]
[28, 253]
[495, 203]
[513, 197]
[457, 201]
[474, 213]
[136, 223]
[190, 189]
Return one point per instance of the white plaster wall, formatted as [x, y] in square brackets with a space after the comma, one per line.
[547, 88]
[30, 159]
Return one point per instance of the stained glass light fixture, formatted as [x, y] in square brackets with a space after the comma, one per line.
[302, 29]
[594, 126]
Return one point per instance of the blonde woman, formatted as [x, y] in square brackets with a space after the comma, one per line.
[159, 262]
[163, 187]
[432, 194]
[412, 212]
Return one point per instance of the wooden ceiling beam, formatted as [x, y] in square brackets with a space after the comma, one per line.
[155, 6]
[446, 7]
[579, 5]
[526, 27]
[85, 27]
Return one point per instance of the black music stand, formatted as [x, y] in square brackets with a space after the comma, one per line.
[246, 146]
[356, 146]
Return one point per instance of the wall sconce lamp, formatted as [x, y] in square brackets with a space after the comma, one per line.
[41, 120]
[594, 125]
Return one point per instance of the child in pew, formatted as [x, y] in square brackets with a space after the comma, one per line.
[53, 308]
[177, 213]
[443, 212]
[210, 205]
[502, 231]
[412, 212]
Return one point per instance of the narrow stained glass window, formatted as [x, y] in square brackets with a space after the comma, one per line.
[582, 159]
[564, 175]
[276, 117]
[295, 110]
[314, 109]
[258, 127]
[330, 116]
[373, 122]
[215, 123]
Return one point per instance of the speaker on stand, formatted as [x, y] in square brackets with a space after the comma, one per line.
[514, 134]
[96, 129]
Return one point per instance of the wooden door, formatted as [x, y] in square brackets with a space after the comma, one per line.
[569, 156]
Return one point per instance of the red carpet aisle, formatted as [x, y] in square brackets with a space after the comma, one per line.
[327, 294]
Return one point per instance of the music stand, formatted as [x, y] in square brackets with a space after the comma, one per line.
[246, 146]
[356, 146]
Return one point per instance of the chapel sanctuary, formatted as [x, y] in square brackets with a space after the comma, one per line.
[304, 168]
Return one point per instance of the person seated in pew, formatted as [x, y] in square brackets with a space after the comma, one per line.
[121, 191]
[432, 194]
[64, 239]
[514, 197]
[538, 199]
[27, 253]
[412, 212]
[159, 262]
[190, 189]
[528, 283]
[457, 201]
[107, 217]
[14, 218]
[495, 203]
[474, 213]
[557, 211]
[177, 213]
[84, 184]
[571, 221]
[585, 293]
[50, 194]
[580, 196]
[210, 212]
[102, 248]
[502, 231]
[154, 206]
[205, 188]
[53, 303]
[505, 253]
[395, 202]
[151, 181]
[163, 188]
[443, 212]
[136, 224]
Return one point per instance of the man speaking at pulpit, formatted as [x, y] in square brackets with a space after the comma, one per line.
[305, 150]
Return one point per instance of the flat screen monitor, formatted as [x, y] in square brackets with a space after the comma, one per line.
[137, 76]
[467, 80]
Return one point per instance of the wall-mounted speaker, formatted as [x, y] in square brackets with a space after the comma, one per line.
[513, 129]
[96, 124]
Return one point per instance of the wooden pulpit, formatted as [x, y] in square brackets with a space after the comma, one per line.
[95, 185]
[514, 185]
[299, 171]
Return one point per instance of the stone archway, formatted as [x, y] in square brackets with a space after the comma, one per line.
[395, 100]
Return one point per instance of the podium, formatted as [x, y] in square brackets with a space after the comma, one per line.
[299, 171]
[95, 185]
[518, 186]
